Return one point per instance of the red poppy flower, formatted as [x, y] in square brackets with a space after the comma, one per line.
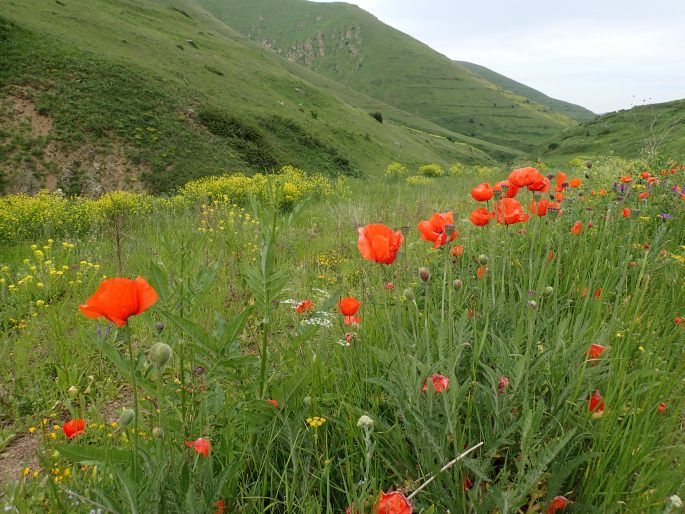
[576, 228]
[626, 212]
[389, 285]
[679, 321]
[643, 195]
[558, 503]
[117, 299]
[538, 208]
[304, 305]
[379, 243]
[273, 403]
[348, 307]
[540, 184]
[598, 292]
[575, 182]
[550, 256]
[595, 351]
[625, 179]
[467, 483]
[220, 507]
[200, 445]
[509, 211]
[480, 271]
[504, 185]
[645, 174]
[482, 192]
[458, 251]
[662, 408]
[560, 181]
[502, 385]
[440, 383]
[480, 217]
[433, 230]
[73, 427]
[523, 177]
[596, 404]
[392, 503]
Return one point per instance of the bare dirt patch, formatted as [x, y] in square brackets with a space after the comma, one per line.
[25, 110]
[21, 453]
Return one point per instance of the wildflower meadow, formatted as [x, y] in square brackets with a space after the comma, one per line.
[488, 341]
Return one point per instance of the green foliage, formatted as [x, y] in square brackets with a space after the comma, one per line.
[431, 170]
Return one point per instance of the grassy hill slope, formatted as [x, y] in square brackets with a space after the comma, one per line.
[98, 94]
[571, 110]
[349, 45]
[641, 131]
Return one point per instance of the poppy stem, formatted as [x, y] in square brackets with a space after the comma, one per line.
[134, 385]
[444, 468]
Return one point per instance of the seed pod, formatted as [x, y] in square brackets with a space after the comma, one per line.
[483, 260]
[532, 304]
[409, 293]
[548, 291]
[457, 284]
[158, 433]
[73, 392]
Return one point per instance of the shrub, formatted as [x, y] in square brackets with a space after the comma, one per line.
[431, 170]
[377, 116]
[418, 180]
[395, 170]
[457, 169]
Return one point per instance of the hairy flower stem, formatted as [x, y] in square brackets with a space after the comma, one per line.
[134, 385]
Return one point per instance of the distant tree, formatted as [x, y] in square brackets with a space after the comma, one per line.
[377, 116]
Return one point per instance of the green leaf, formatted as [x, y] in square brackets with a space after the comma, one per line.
[95, 455]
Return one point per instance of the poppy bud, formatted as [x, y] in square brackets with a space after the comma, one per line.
[409, 293]
[587, 175]
[404, 230]
[307, 400]
[457, 284]
[588, 164]
[483, 260]
[449, 229]
[158, 433]
[159, 326]
[126, 417]
[532, 304]
[160, 353]
[72, 392]
[425, 274]
[548, 291]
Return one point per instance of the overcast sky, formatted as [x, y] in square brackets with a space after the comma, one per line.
[602, 54]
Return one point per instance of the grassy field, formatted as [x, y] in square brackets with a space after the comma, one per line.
[352, 47]
[489, 345]
[646, 131]
[119, 95]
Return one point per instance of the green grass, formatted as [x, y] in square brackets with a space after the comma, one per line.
[576, 112]
[646, 131]
[539, 438]
[352, 47]
[120, 76]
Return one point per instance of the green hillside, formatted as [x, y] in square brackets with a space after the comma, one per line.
[101, 94]
[349, 45]
[571, 110]
[645, 131]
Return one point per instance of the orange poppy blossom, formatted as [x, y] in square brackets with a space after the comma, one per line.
[73, 427]
[595, 351]
[480, 217]
[379, 243]
[200, 445]
[481, 270]
[117, 299]
[458, 251]
[440, 383]
[541, 184]
[523, 177]
[538, 208]
[509, 211]
[596, 403]
[510, 191]
[576, 228]
[662, 408]
[273, 403]
[482, 192]
[433, 230]
[392, 503]
[304, 305]
[575, 182]
[626, 179]
[645, 174]
[348, 307]
[558, 503]
[626, 212]
[560, 181]
[644, 195]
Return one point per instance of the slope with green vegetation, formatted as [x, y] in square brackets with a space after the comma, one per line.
[644, 131]
[571, 110]
[347, 44]
[99, 95]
